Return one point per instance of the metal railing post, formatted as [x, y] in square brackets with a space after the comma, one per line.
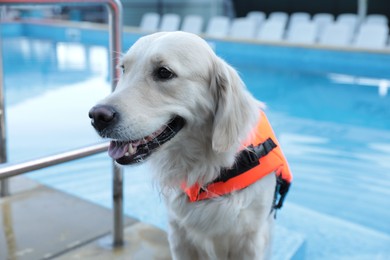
[115, 23]
[361, 12]
[117, 194]
[115, 34]
[4, 184]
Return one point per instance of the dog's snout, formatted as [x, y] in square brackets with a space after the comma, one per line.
[103, 116]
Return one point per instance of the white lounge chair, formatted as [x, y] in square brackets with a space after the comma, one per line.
[257, 16]
[299, 17]
[372, 36]
[243, 28]
[272, 30]
[336, 34]
[218, 27]
[302, 32]
[377, 19]
[170, 22]
[192, 24]
[322, 20]
[349, 19]
[278, 16]
[149, 22]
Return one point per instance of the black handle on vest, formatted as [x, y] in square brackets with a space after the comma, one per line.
[246, 160]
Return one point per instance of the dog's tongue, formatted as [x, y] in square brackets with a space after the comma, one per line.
[117, 150]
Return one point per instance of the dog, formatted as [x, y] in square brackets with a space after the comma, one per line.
[187, 111]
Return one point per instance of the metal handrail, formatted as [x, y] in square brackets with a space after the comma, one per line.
[8, 170]
[115, 47]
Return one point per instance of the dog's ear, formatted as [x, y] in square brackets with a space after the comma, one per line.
[234, 107]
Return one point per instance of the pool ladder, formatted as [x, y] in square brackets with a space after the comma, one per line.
[115, 47]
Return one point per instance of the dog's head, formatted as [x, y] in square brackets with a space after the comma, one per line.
[172, 84]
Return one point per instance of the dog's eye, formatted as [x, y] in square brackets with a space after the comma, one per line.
[164, 73]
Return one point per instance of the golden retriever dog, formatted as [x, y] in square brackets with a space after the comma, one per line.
[187, 112]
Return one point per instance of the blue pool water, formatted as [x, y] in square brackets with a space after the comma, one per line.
[332, 121]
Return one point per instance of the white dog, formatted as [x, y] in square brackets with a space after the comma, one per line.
[187, 109]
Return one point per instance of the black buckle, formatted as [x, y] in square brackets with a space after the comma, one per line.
[264, 148]
[246, 160]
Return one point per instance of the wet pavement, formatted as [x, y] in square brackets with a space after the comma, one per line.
[38, 222]
[142, 241]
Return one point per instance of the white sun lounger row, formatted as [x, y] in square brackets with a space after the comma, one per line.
[298, 28]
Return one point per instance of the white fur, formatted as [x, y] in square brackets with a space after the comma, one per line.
[219, 114]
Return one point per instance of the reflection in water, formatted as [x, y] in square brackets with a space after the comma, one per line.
[32, 67]
[71, 56]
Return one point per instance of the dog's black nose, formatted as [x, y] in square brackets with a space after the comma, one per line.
[102, 116]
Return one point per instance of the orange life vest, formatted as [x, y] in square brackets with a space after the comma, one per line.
[260, 155]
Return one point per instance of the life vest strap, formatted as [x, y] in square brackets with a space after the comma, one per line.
[282, 187]
[264, 148]
[247, 159]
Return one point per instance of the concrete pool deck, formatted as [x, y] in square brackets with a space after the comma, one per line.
[38, 222]
[142, 241]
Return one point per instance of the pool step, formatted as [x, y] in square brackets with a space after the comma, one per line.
[328, 237]
[37, 222]
[288, 244]
[144, 241]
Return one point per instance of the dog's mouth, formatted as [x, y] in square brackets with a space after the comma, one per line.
[135, 151]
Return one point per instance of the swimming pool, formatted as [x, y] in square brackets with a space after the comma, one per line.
[329, 109]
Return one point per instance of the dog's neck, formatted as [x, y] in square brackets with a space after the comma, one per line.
[192, 162]
[190, 158]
